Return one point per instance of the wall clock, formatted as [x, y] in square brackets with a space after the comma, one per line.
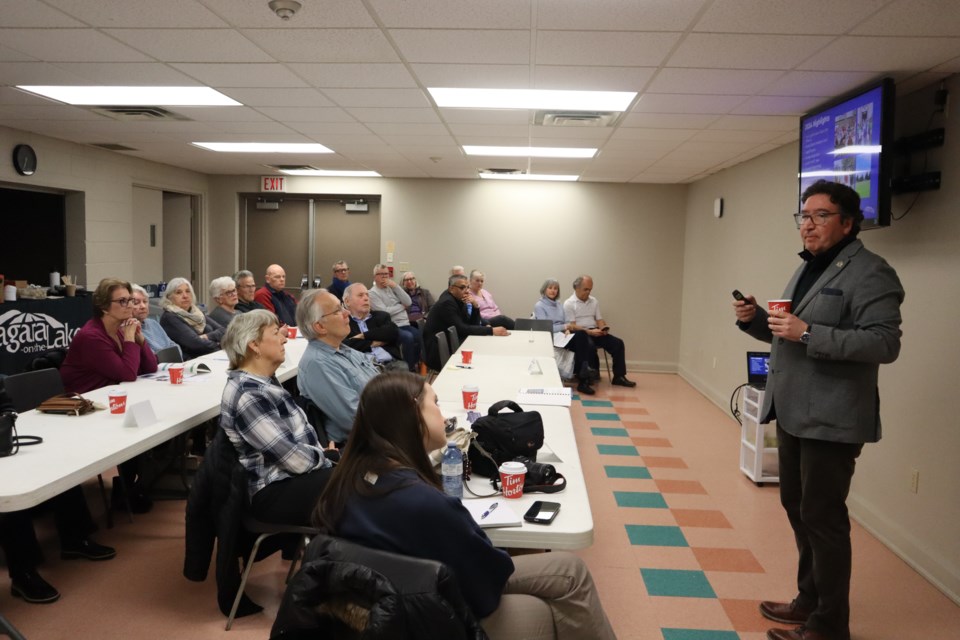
[24, 159]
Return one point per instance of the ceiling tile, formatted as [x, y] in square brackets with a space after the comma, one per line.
[817, 83]
[686, 103]
[377, 97]
[667, 120]
[913, 18]
[323, 45]
[745, 51]
[31, 13]
[192, 45]
[14, 73]
[486, 116]
[721, 81]
[882, 54]
[763, 16]
[756, 123]
[313, 14]
[278, 97]
[603, 48]
[119, 13]
[352, 75]
[477, 76]
[568, 136]
[389, 114]
[306, 114]
[463, 46]
[777, 105]
[591, 78]
[952, 66]
[618, 15]
[630, 133]
[920, 81]
[726, 135]
[385, 129]
[343, 130]
[221, 114]
[241, 75]
[456, 14]
[127, 73]
[69, 45]
[9, 55]
[471, 129]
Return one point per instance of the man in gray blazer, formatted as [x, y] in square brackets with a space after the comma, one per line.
[822, 390]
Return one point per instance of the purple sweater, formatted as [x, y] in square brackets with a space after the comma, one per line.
[94, 360]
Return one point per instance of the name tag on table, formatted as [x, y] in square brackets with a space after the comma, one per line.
[140, 414]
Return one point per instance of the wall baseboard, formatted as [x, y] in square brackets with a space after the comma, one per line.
[938, 571]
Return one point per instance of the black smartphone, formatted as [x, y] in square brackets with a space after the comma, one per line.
[739, 296]
[606, 329]
[542, 512]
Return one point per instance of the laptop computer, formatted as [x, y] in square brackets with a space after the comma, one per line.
[758, 364]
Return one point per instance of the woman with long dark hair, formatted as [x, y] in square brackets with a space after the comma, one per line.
[385, 494]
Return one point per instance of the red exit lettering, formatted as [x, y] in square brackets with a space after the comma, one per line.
[272, 183]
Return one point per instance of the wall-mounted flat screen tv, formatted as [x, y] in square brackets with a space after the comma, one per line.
[850, 141]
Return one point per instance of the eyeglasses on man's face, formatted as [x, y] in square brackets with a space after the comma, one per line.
[818, 218]
[461, 287]
[380, 274]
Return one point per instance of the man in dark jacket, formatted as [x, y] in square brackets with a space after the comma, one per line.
[274, 298]
[372, 332]
[451, 311]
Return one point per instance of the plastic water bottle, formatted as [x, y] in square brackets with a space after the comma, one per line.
[452, 471]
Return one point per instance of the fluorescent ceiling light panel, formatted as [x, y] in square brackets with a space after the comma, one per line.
[528, 176]
[330, 173]
[532, 99]
[134, 96]
[530, 152]
[263, 147]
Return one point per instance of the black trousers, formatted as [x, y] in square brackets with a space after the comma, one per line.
[290, 501]
[19, 541]
[815, 478]
[614, 346]
[583, 350]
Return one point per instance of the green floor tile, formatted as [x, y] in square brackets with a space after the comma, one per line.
[597, 403]
[698, 634]
[642, 499]
[655, 536]
[602, 416]
[638, 473]
[609, 431]
[617, 450]
[677, 583]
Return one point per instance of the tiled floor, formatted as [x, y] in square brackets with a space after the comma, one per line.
[684, 546]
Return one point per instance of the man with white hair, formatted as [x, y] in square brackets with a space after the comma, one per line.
[274, 298]
[372, 332]
[331, 375]
[386, 295]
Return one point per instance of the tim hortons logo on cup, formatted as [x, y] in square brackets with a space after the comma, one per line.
[512, 483]
[117, 404]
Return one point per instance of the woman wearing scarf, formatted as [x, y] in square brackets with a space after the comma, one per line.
[186, 324]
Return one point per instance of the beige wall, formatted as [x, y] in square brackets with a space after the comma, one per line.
[753, 248]
[628, 237]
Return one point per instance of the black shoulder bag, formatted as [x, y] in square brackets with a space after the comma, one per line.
[10, 442]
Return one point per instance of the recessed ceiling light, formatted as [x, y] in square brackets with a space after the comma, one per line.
[532, 99]
[330, 173]
[530, 152]
[263, 147]
[529, 176]
[134, 96]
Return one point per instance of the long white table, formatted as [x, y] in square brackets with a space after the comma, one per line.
[76, 448]
[500, 367]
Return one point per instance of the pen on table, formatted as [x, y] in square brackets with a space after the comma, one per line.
[489, 511]
[464, 366]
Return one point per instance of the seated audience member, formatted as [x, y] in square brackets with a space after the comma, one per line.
[156, 337]
[246, 290]
[451, 311]
[109, 349]
[186, 324]
[582, 313]
[223, 293]
[371, 332]
[331, 374]
[480, 297]
[386, 494]
[386, 295]
[18, 540]
[420, 298]
[275, 298]
[341, 278]
[286, 467]
[457, 270]
[549, 307]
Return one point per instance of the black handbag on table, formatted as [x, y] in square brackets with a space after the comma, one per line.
[10, 442]
[504, 436]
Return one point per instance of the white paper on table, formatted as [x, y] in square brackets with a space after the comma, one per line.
[139, 414]
[545, 397]
[561, 339]
[501, 515]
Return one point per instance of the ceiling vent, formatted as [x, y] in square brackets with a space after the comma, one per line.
[597, 119]
[501, 171]
[112, 146]
[291, 167]
[138, 114]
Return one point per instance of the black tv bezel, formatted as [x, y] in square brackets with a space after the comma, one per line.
[885, 178]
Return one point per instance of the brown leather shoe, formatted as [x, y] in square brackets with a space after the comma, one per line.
[785, 612]
[800, 633]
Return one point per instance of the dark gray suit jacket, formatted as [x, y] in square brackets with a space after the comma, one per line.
[827, 390]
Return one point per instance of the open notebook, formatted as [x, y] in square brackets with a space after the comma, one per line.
[498, 513]
[549, 396]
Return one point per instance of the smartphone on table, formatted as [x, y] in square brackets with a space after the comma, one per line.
[542, 512]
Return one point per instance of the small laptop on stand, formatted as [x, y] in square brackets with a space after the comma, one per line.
[758, 365]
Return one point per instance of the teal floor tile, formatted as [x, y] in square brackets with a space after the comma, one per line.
[637, 473]
[609, 431]
[617, 450]
[698, 634]
[602, 416]
[656, 536]
[642, 499]
[597, 403]
[677, 583]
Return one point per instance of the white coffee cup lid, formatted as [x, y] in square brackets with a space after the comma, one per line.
[118, 392]
[471, 387]
[513, 467]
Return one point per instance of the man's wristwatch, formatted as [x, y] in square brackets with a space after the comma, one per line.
[805, 336]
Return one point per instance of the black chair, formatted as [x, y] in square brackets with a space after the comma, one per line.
[443, 347]
[315, 417]
[453, 339]
[170, 354]
[28, 390]
[529, 324]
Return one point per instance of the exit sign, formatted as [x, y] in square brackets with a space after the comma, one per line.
[273, 183]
